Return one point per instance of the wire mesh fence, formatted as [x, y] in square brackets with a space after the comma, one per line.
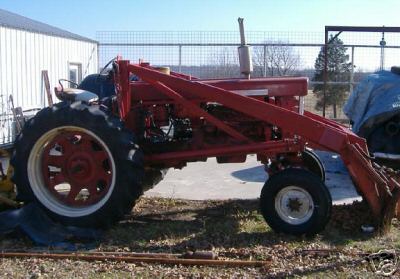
[214, 55]
[206, 54]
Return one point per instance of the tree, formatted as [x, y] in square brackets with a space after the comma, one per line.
[279, 59]
[225, 63]
[338, 71]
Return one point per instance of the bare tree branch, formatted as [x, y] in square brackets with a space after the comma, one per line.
[275, 60]
[226, 63]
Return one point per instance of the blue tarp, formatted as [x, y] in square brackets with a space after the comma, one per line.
[35, 223]
[375, 100]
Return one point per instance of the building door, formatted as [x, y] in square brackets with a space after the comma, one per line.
[75, 73]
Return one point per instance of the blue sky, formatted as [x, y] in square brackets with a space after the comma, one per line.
[85, 17]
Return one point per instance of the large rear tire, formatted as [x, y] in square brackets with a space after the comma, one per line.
[79, 163]
[152, 177]
[295, 201]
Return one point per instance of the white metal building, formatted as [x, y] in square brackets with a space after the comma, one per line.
[26, 48]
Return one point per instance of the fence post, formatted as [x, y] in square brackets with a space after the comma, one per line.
[180, 59]
[325, 71]
[352, 70]
[265, 61]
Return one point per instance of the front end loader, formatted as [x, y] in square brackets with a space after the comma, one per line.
[86, 162]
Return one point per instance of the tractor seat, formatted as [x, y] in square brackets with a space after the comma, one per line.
[74, 94]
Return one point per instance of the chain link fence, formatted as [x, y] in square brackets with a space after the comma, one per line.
[207, 54]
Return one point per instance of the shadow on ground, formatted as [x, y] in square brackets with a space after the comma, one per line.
[254, 174]
[164, 225]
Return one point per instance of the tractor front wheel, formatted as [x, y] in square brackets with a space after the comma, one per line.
[79, 163]
[295, 201]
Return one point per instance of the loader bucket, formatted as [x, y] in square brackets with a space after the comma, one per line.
[378, 185]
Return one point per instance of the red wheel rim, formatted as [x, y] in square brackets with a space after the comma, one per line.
[76, 169]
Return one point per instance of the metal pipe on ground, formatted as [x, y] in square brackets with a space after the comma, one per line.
[134, 259]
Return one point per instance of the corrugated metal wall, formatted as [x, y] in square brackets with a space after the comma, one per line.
[23, 56]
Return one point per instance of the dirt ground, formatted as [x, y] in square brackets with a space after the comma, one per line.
[212, 218]
[233, 229]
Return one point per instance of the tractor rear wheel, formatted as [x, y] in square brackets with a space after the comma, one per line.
[79, 163]
[152, 177]
[295, 201]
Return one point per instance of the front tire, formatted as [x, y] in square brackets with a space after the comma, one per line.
[295, 201]
[79, 163]
[309, 161]
[313, 163]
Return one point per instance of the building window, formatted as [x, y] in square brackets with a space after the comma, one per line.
[75, 73]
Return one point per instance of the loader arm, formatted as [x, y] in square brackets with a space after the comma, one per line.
[379, 187]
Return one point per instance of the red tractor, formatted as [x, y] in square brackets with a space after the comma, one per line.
[87, 162]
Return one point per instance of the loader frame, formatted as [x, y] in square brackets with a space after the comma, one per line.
[278, 108]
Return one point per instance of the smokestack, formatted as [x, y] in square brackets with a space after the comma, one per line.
[245, 62]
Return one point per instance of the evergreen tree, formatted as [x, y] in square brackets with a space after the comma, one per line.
[338, 70]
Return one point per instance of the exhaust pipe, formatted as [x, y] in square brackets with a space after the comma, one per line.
[245, 62]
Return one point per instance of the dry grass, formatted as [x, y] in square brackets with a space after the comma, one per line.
[232, 229]
[310, 101]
